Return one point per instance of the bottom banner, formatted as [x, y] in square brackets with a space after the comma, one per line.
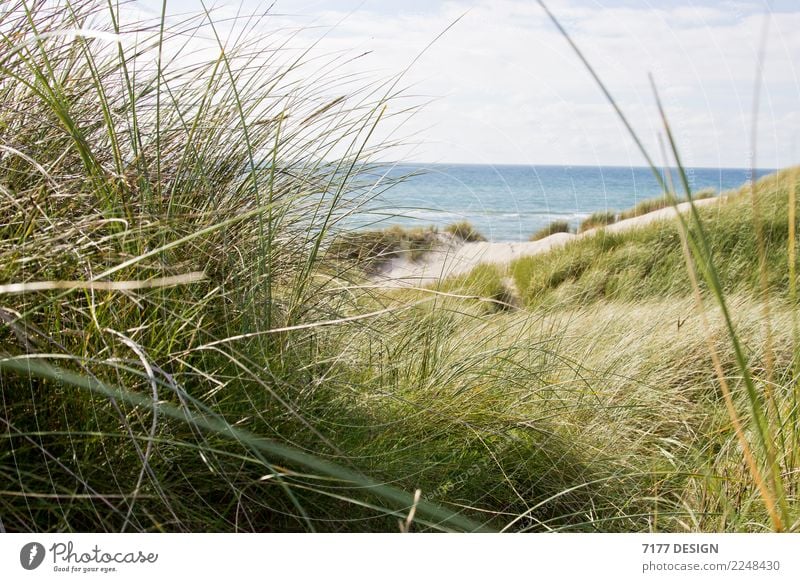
[121, 557]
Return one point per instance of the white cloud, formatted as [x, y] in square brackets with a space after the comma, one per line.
[510, 90]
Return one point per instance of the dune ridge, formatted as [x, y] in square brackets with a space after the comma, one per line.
[455, 257]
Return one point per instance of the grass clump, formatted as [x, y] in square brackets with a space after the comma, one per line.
[596, 220]
[371, 249]
[464, 231]
[488, 284]
[645, 207]
[163, 277]
[653, 204]
[552, 228]
[704, 194]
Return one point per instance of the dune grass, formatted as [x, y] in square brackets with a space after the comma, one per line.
[162, 278]
[623, 301]
[182, 348]
[596, 220]
[647, 262]
[651, 204]
[372, 248]
[645, 207]
[465, 231]
[552, 228]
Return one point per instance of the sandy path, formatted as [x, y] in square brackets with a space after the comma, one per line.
[455, 258]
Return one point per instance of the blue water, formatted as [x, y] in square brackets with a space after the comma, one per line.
[509, 203]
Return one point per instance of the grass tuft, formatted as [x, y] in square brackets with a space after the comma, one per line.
[371, 249]
[597, 220]
[653, 204]
[465, 231]
[552, 228]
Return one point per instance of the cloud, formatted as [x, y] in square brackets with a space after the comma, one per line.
[502, 86]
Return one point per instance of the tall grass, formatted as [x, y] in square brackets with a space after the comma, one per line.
[183, 349]
[369, 249]
[765, 467]
[652, 204]
[161, 244]
[647, 262]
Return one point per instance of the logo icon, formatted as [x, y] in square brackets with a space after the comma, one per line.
[31, 555]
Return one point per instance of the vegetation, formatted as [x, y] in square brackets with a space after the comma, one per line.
[183, 346]
[164, 358]
[645, 207]
[703, 194]
[652, 204]
[372, 248]
[625, 304]
[597, 219]
[648, 262]
[465, 231]
[552, 228]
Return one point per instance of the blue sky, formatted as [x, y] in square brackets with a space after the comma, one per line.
[501, 86]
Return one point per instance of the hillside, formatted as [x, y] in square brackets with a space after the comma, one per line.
[632, 261]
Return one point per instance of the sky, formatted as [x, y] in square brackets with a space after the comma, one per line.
[494, 82]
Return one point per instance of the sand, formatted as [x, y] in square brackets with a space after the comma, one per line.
[453, 257]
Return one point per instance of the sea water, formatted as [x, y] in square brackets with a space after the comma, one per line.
[509, 203]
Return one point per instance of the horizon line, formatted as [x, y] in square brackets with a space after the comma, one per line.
[535, 165]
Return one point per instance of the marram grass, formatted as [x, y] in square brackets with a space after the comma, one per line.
[180, 352]
[552, 228]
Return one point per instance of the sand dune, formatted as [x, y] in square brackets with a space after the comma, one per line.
[455, 257]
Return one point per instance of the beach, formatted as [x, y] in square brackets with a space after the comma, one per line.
[453, 257]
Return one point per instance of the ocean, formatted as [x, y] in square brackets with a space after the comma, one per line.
[509, 203]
